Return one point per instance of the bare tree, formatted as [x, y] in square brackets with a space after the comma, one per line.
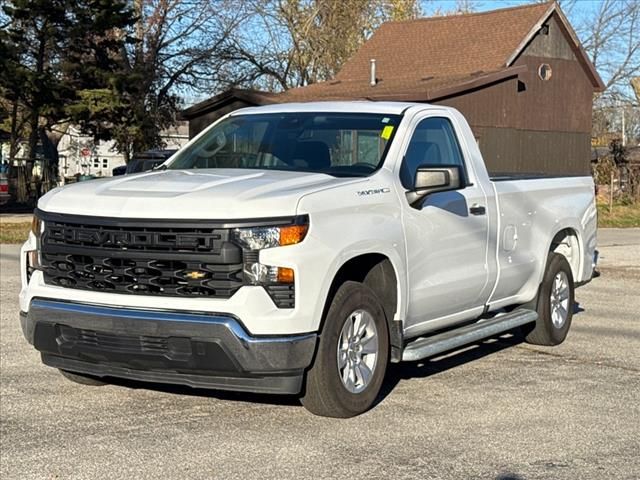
[612, 40]
[176, 53]
[290, 43]
[459, 7]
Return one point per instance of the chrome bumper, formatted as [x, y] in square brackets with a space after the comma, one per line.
[196, 349]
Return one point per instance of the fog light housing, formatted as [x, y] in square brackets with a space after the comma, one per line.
[260, 274]
[33, 262]
[33, 259]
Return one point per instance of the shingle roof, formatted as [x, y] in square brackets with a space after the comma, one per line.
[255, 97]
[444, 46]
[399, 89]
[419, 59]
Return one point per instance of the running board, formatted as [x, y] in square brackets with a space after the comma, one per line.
[424, 347]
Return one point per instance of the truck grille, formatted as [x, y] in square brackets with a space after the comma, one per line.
[151, 258]
[132, 344]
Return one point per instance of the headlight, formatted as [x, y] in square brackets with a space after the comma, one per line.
[257, 238]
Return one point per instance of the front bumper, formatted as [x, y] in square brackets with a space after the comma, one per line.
[195, 349]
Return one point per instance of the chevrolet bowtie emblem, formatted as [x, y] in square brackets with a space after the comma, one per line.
[195, 275]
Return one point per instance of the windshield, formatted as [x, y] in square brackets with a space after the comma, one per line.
[339, 144]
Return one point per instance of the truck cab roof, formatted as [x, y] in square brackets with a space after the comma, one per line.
[357, 106]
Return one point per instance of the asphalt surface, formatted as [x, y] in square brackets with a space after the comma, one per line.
[502, 409]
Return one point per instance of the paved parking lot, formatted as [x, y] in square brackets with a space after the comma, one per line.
[498, 410]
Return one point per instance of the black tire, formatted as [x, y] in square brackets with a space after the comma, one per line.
[325, 393]
[82, 379]
[545, 332]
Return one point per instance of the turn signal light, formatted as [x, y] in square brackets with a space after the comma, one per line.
[285, 275]
[293, 234]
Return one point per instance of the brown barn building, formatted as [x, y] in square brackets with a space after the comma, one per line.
[519, 75]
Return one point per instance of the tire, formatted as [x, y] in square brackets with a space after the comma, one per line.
[338, 383]
[554, 314]
[82, 379]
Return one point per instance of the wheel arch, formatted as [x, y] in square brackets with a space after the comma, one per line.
[568, 243]
[565, 241]
[378, 272]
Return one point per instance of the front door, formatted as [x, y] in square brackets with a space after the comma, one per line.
[446, 235]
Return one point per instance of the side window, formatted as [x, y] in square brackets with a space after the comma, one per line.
[433, 142]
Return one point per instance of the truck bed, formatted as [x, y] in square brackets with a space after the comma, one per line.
[533, 209]
[506, 176]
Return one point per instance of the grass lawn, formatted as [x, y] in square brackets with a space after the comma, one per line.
[14, 232]
[622, 216]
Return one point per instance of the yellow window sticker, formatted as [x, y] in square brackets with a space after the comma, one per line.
[386, 132]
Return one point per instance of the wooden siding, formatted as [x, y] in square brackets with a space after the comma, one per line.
[529, 125]
[530, 151]
[518, 131]
[491, 106]
[552, 45]
[562, 103]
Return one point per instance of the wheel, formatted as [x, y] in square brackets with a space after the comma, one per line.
[352, 356]
[555, 303]
[82, 379]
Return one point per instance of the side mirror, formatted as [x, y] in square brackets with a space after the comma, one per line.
[431, 179]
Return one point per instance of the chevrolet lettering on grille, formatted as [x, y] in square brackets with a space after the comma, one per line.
[116, 239]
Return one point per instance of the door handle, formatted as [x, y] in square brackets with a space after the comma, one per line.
[477, 209]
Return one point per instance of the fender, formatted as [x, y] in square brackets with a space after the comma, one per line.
[353, 252]
[565, 224]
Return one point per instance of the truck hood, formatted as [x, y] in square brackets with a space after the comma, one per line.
[191, 194]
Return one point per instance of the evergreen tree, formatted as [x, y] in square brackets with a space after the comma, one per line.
[59, 61]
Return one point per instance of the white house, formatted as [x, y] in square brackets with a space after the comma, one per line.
[80, 155]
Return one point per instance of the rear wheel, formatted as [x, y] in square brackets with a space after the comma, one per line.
[82, 379]
[352, 357]
[555, 303]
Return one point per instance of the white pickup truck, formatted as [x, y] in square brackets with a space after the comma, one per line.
[300, 248]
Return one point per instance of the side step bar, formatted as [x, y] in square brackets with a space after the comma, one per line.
[424, 347]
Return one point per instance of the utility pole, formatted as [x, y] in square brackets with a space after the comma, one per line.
[624, 133]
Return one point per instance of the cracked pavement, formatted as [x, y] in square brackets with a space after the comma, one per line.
[501, 409]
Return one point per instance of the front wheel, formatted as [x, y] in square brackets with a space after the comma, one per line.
[352, 356]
